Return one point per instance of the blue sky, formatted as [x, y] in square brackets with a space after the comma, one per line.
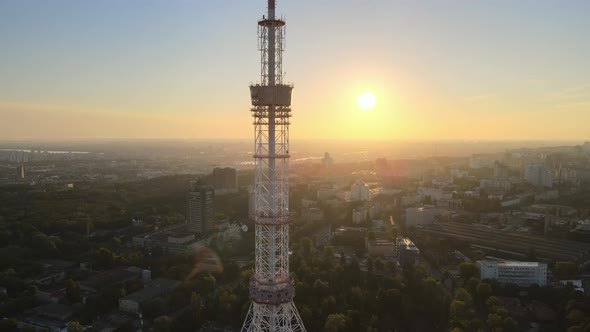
[167, 67]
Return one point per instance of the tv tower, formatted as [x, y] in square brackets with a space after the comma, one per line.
[271, 288]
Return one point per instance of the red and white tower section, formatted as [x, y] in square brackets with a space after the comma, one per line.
[271, 288]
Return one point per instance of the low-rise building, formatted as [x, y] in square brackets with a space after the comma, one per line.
[133, 302]
[495, 184]
[523, 274]
[435, 194]
[116, 276]
[312, 214]
[419, 216]
[407, 252]
[174, 238]
[49, 317]
[381, 247]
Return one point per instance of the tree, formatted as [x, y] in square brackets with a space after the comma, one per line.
[116, 241]
[576, 317]
[336, 323]
[104, 258]
[495, 322]
[307, 247]
[196, 306]
[463, 295]
[445, 275]
[565, 270]
[8, 325]
[390, 266]
[492, 303]
[459, 313]
[468, 270]
[510, 325]
[484, 291]
[206, 284]
[75, 327]
[28, 328]
[163, 323]
[73, 291]
[379, 265]
[531, 254]
[321, 288]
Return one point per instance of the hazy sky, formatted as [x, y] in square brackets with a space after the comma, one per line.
[467, 69]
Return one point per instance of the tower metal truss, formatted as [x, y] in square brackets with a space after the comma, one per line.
[272, 287]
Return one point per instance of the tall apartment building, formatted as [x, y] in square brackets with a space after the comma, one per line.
[225, 180]
[500, 171]
[327, 161]
[523, 274]
[200, 213]
[359, 191]
[538, 176]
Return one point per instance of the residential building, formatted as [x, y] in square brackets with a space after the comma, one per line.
[435, 194]
[312, 214]
[359, 215]
[500, 171]
[327, 161]
[538, 176]
[480, 161]
[200, 208]
[359, 191]
[225, 180]
[495, 184]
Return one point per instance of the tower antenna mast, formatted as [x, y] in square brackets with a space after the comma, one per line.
[271, 288]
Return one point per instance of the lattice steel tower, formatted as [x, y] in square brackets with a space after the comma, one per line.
[271, 287]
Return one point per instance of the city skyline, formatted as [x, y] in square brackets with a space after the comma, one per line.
[466, 70]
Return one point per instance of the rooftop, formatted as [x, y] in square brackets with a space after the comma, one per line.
[110, 277]
[156, 288]
[510, 263]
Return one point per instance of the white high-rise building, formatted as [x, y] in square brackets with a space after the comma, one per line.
[523, 274]
[538, 176]
[359, 191]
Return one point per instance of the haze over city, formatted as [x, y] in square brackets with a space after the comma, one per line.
[158, 69]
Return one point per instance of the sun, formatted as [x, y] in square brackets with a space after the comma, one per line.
[366, 101]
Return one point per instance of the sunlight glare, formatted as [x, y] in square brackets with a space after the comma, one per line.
[366, 101]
